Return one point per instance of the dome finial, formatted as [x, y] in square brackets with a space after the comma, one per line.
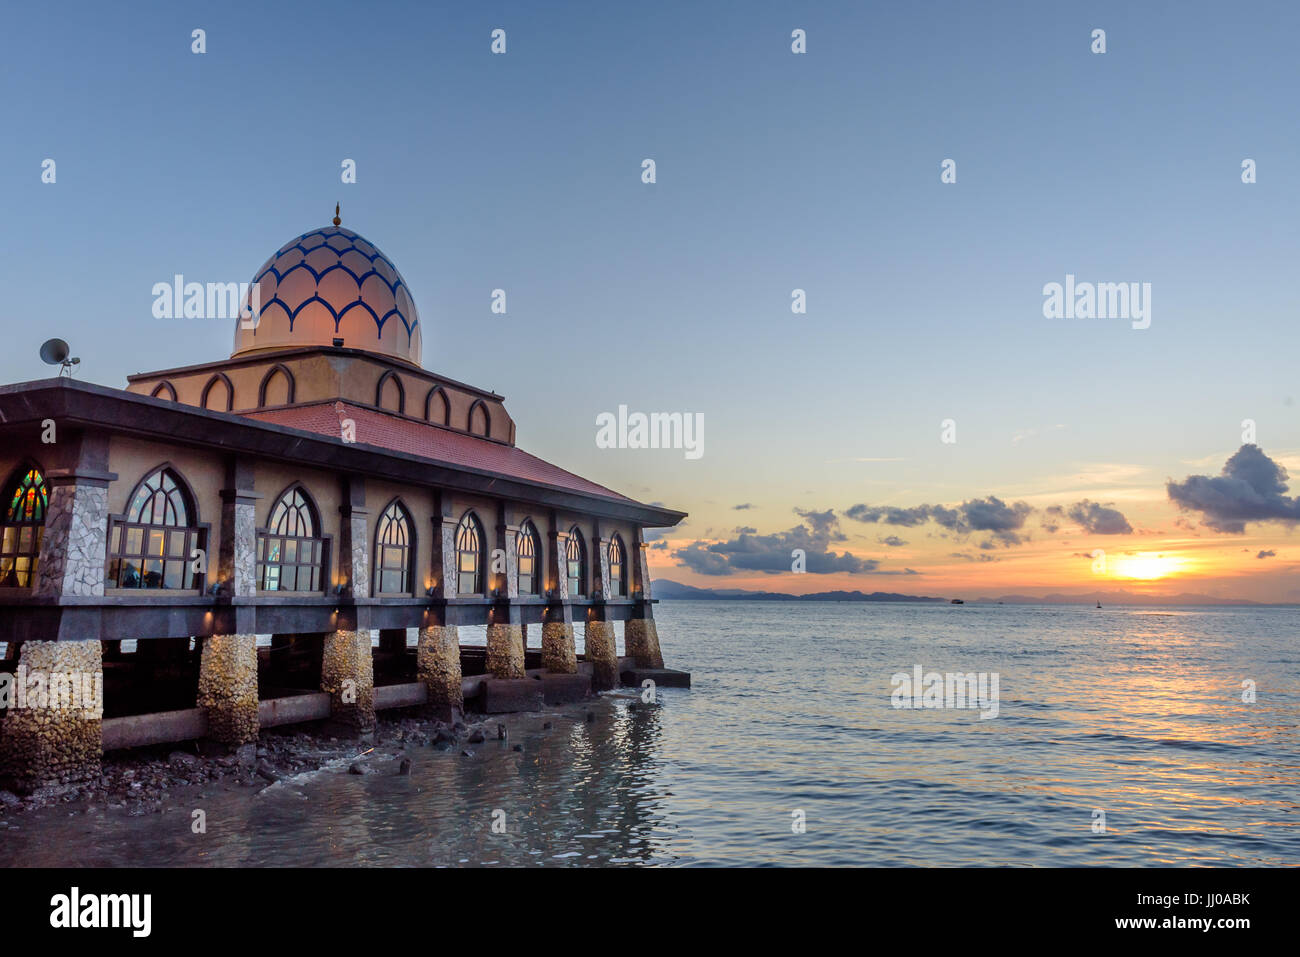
[337, 221]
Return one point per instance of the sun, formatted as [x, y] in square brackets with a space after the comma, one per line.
[1146, 566]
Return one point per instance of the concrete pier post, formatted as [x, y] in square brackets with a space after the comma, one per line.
[348, 676]
[227, 690]
[347, 672]
[53, 736]
[438, 665]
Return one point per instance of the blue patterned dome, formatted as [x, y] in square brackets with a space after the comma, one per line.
[333, 284]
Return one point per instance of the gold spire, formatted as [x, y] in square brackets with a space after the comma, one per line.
[337, 221]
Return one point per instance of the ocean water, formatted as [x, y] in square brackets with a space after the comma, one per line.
[1136, 713]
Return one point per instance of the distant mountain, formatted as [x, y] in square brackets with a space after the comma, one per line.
[663, 588]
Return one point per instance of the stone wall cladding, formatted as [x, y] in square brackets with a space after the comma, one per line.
[438, 665]
[347, 657]
[641, 637]
[558, 653]
[228, 688]
[45, 747]
[602, 655]
[505, 651]
[73, 549]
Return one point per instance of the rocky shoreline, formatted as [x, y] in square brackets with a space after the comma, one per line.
[143, 781]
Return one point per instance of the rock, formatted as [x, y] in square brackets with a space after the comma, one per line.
[9, 800]
[467, 753]
[264, 770]
[246, 755]
[517, 747]
[502, 734]
[404, 767]
[546, 726]
[356, 767]
[183, 759]
[476, 736]
[590, 717]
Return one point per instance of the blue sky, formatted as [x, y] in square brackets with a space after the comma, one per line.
[775, 172]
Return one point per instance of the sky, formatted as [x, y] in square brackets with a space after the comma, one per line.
[774, 171]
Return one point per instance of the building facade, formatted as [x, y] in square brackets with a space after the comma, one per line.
[317, 486]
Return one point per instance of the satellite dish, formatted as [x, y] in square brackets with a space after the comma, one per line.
[54, 351]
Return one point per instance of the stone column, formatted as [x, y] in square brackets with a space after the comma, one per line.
[601, 652]
[438, 664]
[505, 642]
[558, 654]
[47, 742]
[347, 671]
[443, 571]
[639, 569]
[55, 736]
[642, 640]
[347, 674]
[227, 691]
[600, 563]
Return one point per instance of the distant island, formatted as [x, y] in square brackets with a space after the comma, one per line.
[668, 589]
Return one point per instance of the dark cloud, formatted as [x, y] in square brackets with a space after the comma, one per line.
[893, 541]
[1004, 522]
[1267, 554]
[741, 508]
[745, 530]
[973, 558]
[659, 545]
[1099, 519]
[1251, 488]
[771, 554]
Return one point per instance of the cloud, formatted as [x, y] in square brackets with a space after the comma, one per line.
[893, 541]
[771, 554]
[1267, 554]
[742, 507]
[991, 514]
[1099, 519]
[1250, 488]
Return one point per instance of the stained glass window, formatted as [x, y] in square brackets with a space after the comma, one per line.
[26, 501]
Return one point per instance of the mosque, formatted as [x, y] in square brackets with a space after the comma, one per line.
[319, 487]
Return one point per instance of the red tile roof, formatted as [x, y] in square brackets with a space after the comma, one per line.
[428, 441]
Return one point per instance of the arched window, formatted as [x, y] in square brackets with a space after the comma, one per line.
[218, 394]
[164, 390]
[26, 500]
[390, 394]
[393, 551]
[151, 546]
[480, 423]
[529, 546]
[290, 550]
[617, 562]
[575, 559]
[436, 407]
[277, 387]
[469, 556]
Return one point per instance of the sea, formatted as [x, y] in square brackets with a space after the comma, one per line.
[1132, 736]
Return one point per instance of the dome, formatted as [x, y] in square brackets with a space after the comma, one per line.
[332, 284]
